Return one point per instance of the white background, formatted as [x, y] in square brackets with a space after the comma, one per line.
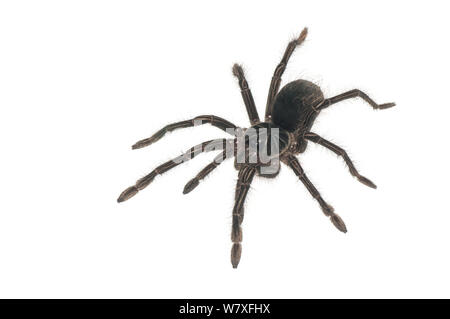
[81, 81]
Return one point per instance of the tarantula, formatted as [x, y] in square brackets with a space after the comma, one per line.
[289, 116]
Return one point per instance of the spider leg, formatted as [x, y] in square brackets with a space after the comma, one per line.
[279, 70]
[341, 152]
[245, 178]
[352, 94]
[193, 183]
[202, 119]
[236, 194]
[246, 94]
[142, 183]
[327, 209]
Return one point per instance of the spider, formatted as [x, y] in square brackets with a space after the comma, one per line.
[290, 112]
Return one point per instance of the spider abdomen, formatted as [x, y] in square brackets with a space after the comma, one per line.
[294, 106]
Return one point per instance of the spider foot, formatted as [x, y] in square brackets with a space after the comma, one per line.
[127, 194]
[191, 185]
[142, 143]
[236, 251]
[385, 106]
[302, 36]
[338, 222]
[148, 141]
[366, 181]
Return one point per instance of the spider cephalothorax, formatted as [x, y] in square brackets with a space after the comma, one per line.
[289, 116]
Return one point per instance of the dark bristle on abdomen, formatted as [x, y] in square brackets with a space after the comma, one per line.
[294, 104]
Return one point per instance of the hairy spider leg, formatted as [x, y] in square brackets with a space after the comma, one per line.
[236, 194]
[340, 152]
[227, 153]
[279, 70]
[212, 145]
[245, 178]
[246, 94]
[352, 94]
[327, 209]
[202, 119]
